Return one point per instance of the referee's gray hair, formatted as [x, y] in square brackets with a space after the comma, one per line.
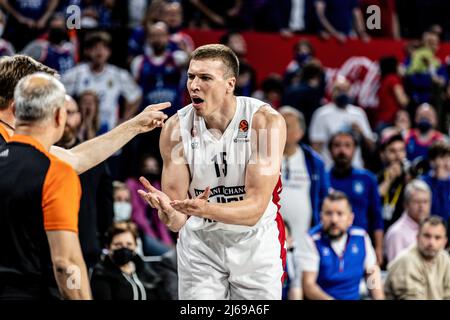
[37, 96]
[298, 114]
[415, 185]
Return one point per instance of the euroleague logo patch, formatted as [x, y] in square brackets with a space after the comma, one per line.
[242, 132]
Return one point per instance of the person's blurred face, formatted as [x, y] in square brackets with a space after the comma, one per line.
[238, 44]
[431, 240]
[122, 195]
[208, 85]
[441, 164]
[394, 152]
[73, 122]
[419, 205]
[294, 132]
[158, 38]
[340, 87]
[431, 40]
[336, 218]
[99, 54]
[426, 112]
[123, 240]
[173, 15]
[402, 120]
[88, 105]
[342, 150]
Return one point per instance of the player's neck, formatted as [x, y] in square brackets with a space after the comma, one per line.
[221, 118]
[290, 149]
[97, 68]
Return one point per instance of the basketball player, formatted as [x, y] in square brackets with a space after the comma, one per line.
[220, 185]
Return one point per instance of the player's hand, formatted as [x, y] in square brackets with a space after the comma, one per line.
[151, 117]
[193, 207]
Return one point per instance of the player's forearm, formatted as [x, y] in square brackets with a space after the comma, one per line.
[246, 212]
[315, 292]
[72, 278]
[90, 153]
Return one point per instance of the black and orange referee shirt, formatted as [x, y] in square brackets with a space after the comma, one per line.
[38, 193]
[4, 136]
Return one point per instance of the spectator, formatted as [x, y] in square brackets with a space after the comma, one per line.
[402, 124]
[340, 115]
[6, 48]
[305, 180]
[122, 202]
[336, 18]
[292, 288]
[338, 255]
[215, 14]
[403, 233]
[107, 81]
[89, 108]
[246, 81]
[427, 261]
[172, 15]
[438, 179]
[393, 178]
[391, 95]
[96, 205]
[27, 19]
[122, 274]
[303, 54]
[40, 201]
[307, 95]
[361, 188]
[272, 90]
[136, 12]
[159, 71]
[57, 51]
[156, 238]
[389, 24]
[419, 139]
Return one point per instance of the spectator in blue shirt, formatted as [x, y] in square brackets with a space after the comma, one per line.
[360, 186]
[438, 179]
[336, 19]
[338, 255]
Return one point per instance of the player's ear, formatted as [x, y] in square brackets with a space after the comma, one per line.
[231, 83]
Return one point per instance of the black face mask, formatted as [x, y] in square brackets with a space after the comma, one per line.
[424, 126]
[122, 256]
[57, 35]
[342, 100]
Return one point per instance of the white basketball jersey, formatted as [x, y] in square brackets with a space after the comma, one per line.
[221, 163]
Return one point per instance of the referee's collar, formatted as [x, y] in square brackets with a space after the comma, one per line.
[28, 140]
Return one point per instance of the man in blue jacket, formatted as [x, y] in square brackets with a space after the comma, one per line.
[360, 186]
[305, 180]
[338, 255]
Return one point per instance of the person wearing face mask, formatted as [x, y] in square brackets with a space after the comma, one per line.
[96, 205]
[122, 205]
[337, 116]
[56, 51]
[6, 48]
[156, 238]
[337, 255]
[122, 274]
[419, 139]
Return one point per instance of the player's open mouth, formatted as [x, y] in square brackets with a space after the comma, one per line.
[196, 101]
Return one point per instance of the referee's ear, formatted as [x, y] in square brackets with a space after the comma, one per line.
[60, 117]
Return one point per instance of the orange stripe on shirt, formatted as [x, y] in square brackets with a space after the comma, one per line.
[4, 133]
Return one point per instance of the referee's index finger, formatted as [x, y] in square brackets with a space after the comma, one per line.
[160, 106]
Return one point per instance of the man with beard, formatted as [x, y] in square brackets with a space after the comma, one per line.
[360, 186]
[393, 177]
[427, 261]
[96, 205]
[160, 71]
[338, 255]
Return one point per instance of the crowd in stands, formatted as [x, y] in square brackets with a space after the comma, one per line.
[375, 182]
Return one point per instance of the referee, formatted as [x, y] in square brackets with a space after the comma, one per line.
[39, 201]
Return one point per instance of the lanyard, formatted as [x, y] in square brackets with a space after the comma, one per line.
[395, 197]
[341, 257]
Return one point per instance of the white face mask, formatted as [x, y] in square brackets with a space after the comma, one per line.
[122, 211]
